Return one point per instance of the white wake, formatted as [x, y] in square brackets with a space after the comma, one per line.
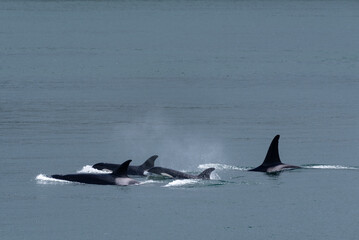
[331, 167]
[182, 182]
[43, 179]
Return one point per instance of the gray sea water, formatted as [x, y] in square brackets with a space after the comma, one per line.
[200, 83]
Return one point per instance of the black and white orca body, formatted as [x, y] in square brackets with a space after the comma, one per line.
[272, 163]
[117, 177]
[132, 170]
[166, 172]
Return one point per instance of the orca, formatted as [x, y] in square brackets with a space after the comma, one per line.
[132, 170]
[272, 163]
[166, 172]
[117, 177]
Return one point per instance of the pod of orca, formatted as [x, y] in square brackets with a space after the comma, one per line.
[120, 172]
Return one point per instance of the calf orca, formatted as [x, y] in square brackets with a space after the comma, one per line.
[132, 170]
[272, 163]
[117, 177]
[180, 175]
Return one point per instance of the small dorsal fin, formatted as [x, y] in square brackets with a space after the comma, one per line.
[121, 171]
[272, 157]
[149, 163]
[206, 173]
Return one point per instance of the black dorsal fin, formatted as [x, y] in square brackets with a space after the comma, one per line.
[272, 157]
[121, 171]
[206, 173]
[149, 163]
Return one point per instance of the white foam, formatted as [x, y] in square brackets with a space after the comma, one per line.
[331, 167]
[147, 182]
[181, 182]
[43, 179]
[219, 166]
[90, 169]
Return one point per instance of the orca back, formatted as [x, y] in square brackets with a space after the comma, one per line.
[89, 178]
[180, 175]
[109, 166]
[131, 170]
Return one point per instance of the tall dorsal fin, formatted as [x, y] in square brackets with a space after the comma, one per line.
[149, 163]
[121, 171]
[272, 157]
[206, 173]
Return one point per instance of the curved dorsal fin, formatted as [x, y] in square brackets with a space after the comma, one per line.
[206, 173]
[272, 157]
[149, 163]
[121, 171]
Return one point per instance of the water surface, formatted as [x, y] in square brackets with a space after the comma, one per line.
[200, 83]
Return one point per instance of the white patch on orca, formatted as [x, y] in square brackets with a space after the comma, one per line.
[125, 181]
[166, 175]
[275, 169]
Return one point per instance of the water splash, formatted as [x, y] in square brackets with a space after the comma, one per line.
[181, 182]
[215, 176]
[90, 169]
[219, 166]
[43, 179]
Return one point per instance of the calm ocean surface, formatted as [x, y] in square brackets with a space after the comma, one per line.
[200, 83]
